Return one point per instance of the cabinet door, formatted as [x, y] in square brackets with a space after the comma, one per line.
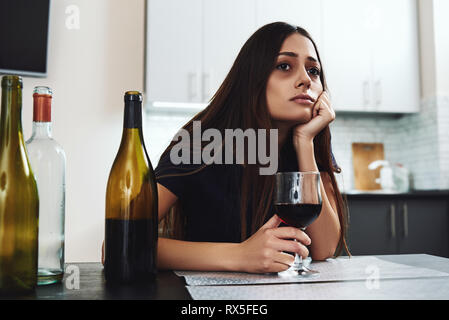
[303, 13]
[372, 227]
[424, 227]
[174, 50]
[227, 26]
[347, 53]
[396, 57]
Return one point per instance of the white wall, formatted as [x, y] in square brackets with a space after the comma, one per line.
[89, 69]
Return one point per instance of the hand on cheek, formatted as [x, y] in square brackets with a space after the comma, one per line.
[322, 115]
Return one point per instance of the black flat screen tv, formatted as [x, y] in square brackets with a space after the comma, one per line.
[24, 37]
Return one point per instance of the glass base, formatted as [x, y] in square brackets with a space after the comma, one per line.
[300, 269]
[46, 276]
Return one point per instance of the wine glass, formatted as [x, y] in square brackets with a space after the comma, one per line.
[298, 203]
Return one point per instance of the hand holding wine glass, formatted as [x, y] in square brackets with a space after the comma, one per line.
[264, 251]
[298, 204]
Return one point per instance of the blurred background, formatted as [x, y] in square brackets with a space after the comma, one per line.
[386, 66]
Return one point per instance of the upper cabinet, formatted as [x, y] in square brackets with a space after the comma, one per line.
[369, 48]
[303, 13]
[227, 26]
[191, 46]
[174, 53]
[370, 53]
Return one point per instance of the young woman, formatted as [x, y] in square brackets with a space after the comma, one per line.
[221, 216]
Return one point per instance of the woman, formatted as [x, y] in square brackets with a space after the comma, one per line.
[220, 216]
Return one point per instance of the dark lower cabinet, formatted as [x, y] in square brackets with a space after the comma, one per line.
[399, 224]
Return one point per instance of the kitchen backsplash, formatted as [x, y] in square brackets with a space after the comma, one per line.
[419, 141]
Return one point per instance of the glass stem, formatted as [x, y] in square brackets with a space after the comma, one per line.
[297, 265]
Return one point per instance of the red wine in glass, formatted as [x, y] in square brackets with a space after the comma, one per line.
[298, 215]
[298, 203]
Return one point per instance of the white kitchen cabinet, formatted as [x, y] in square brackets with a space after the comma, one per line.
[227, 26]
[192, 45]
[396, 59]
[370, 53]
[369, 48]
[303, 13]
[174, 54]
[345, 54]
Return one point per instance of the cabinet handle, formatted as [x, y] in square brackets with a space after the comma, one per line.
[393, 220]
[366, 90]
[405, 219]
[378, 89]
[191, 85]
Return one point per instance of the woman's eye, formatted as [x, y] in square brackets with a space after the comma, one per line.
[314, 71]
[283, 67]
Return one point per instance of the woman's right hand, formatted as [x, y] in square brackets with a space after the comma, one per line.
[263, 251]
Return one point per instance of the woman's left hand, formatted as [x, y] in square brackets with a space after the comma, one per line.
[322, 115]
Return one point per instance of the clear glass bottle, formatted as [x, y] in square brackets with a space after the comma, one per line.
[47, 159]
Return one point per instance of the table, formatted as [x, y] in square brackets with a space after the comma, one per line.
[168, 286]
[85, 281]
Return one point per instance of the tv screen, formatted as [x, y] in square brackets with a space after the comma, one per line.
[24, 37]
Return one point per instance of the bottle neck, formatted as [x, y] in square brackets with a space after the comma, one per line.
[133, 115]
[41, 130]
[132, 126]
[11, 114]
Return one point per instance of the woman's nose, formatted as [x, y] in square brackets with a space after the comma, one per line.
[303, 79]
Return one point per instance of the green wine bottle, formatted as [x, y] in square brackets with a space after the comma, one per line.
[19, 201]
[131, 205]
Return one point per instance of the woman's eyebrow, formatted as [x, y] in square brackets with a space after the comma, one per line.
[295, 55]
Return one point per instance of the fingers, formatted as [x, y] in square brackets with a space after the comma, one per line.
[292, 233]
[282, 261]
[323, 107]
[291, 246]
[274, 222]
[279, 261]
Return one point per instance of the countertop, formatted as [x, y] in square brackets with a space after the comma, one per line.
[168, 286]
[411, 194]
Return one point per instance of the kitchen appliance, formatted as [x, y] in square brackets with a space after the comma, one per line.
[386, 175]
[362, 155]
[392, 178]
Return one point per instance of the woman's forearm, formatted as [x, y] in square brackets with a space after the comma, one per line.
[325, 230]
[202, 256]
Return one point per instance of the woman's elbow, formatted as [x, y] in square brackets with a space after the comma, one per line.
[323, 254]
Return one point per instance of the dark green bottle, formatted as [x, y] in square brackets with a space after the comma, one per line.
[131, 205]
[19, 201]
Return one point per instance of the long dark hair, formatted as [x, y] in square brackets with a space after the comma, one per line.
[240, 102]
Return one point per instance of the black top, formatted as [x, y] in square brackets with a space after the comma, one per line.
[210, 198]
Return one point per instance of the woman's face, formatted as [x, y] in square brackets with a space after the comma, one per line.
[294, 85]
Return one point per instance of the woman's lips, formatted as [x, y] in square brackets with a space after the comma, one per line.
[303, 101]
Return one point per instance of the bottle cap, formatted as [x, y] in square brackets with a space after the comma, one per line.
[42, 104]
[133, 96]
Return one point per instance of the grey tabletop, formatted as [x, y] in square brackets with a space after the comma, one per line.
[428, 285]
[86, 281]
